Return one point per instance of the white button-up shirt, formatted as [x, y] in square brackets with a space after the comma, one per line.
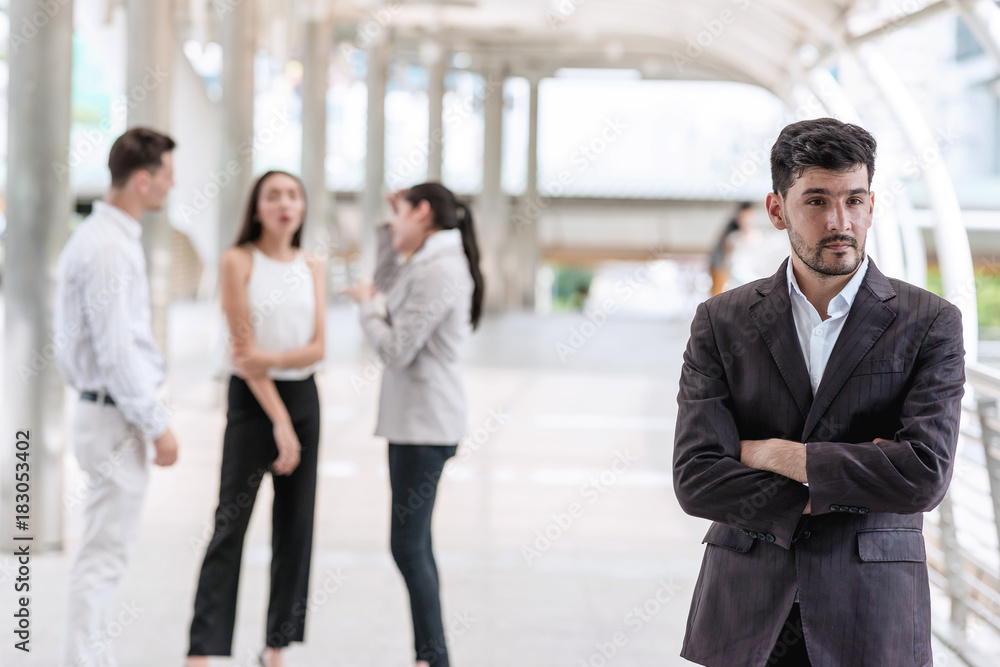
[816, 336]
[102, 333]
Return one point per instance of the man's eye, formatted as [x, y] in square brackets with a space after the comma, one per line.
[856, 200]
[813, 202]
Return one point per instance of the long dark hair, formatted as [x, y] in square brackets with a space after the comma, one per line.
[251, 229]
[449, 213]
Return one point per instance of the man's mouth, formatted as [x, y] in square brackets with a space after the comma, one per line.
[839, 246]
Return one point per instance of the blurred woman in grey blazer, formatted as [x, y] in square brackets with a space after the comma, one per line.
[428, 269]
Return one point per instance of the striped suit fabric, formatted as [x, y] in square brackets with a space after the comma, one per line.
[857, 563]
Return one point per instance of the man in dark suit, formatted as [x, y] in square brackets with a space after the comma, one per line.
[818, 419]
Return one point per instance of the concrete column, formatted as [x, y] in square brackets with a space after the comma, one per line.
[148, 83]
[435, 115]
[236, 154]
[372, 202]
[531, 190]
[531, 246]
[314, 89]
[38, 212]
[492, 210]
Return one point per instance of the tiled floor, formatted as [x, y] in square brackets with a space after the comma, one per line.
[524, 584]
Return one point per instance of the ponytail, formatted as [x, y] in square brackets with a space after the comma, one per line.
[449, 213]
[465, 224]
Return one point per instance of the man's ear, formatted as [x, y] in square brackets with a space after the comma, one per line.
[140, 180]
[775, 206]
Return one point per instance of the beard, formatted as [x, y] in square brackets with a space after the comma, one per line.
[829, 264]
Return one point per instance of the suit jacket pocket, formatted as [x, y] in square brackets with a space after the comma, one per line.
[728, 537]
[875, 366]
[891, 544]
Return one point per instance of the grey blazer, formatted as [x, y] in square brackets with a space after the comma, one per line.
[857, 563]
[420, 338]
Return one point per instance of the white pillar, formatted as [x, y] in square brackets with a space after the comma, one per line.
[315, 78]
[492, 209]
[435, 116]
[983, 19]
[236, 155]
[530, 245]
[531, 190]
[372, 203]
[950, 235]
[148, 83]
[38, 212]
[886, 229]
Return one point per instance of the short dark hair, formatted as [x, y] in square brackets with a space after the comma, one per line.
[824, 142]
[139, 148]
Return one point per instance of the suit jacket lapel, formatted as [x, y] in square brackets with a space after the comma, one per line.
[772, 315]
[868, 319]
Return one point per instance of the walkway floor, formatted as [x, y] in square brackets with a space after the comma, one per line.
[524, 583]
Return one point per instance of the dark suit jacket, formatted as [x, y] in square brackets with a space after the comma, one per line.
[858, 562]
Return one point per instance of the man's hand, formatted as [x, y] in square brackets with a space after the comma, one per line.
[166, 449]
[783, 457]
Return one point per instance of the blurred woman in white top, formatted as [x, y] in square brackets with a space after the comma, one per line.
[273, 296]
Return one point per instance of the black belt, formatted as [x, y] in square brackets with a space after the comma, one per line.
[92, 396]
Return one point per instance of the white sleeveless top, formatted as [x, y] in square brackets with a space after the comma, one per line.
[282, 301]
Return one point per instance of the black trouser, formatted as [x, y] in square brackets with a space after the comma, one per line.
[790, 649]
[414, 473]
[248, 450]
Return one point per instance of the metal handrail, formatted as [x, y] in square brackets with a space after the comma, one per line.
[960, 574]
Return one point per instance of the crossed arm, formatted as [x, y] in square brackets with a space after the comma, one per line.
[254, 363]
[749, 484]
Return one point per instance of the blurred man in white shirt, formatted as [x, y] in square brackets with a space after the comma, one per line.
[110, 358]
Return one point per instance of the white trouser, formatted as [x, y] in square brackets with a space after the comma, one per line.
[116, 459]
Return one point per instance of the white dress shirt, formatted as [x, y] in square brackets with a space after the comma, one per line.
[816, 336]
[102, 332]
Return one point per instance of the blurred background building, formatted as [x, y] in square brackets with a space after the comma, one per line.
[604, 146]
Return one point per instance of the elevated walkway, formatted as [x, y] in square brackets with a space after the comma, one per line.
[524, 582]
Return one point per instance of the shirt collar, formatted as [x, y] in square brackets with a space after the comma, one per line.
[123, 220]
[841, 303]
[445, 238]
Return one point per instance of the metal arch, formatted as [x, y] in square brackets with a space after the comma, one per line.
[900, 248]
[806, 18]
[983, 19]
[951, 237]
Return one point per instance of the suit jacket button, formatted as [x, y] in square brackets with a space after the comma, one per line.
[862, 510]
[744, 531]
[805, 535]
[853, 510]
[770, 537]
[753, 534]
[834, 508]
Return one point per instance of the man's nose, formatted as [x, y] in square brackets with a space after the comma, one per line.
[840, 219]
